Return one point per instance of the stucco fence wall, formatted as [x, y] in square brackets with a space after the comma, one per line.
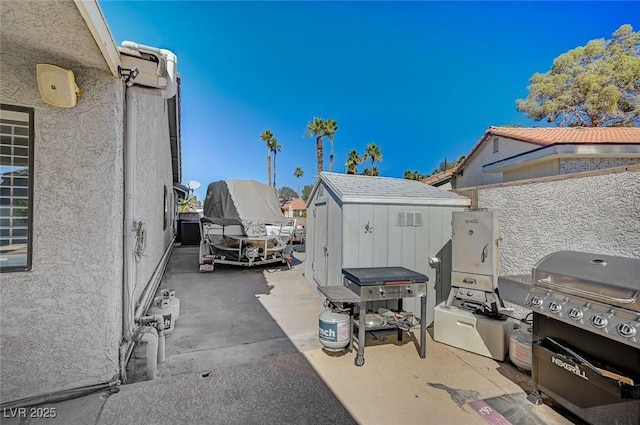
[596, 212]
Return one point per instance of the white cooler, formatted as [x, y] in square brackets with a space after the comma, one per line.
[472, 332]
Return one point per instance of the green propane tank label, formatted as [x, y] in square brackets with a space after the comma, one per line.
[333, 332]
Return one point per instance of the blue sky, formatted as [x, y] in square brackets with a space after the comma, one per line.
[422, 80]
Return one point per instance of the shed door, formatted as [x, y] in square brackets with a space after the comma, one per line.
[320, 243]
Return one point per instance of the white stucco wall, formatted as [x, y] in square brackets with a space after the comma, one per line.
[61, 322]
[472, 172]
[598, 213]
[153, 173]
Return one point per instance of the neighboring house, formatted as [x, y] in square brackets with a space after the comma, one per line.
[294, 208]
[87, 195]
[506, 154]
[441, 179]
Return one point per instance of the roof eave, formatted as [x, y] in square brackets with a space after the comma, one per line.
[92, 15]
[563, 150]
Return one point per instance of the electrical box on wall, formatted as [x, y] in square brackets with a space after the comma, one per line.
[57, 85]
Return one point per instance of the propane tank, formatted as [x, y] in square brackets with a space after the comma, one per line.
[520, 347]
[334, 330]
[174, 302]
[162, 306]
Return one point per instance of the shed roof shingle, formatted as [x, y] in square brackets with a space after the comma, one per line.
[358, 188]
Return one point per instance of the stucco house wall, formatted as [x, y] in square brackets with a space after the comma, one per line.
[473, 174]
[153, 174]
[61, 322]
[596, 213]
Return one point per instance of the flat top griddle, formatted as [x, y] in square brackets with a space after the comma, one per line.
[370, 276]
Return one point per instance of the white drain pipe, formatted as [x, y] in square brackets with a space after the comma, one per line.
[128, 231]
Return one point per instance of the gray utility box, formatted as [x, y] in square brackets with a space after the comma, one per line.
[474, 259]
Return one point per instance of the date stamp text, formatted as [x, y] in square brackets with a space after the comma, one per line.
[30, 412]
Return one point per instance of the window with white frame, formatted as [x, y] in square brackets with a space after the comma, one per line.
[16, 187]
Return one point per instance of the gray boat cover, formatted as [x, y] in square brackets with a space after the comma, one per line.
[245, 202]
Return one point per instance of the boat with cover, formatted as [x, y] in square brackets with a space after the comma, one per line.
[233, 229]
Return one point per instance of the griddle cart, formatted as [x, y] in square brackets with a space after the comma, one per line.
[362, 285]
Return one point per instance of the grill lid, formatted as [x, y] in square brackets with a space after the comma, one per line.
[604, 278]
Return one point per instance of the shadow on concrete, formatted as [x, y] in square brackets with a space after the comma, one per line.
[227, 352]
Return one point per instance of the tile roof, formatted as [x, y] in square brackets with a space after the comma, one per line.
[387, 190]
[552, 135]
[545, 136]
[296, 204]
[436, 178]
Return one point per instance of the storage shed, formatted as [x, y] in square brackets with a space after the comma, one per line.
[363, 221]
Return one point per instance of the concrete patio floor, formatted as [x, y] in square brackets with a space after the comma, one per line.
[396, 386]
[245, 351]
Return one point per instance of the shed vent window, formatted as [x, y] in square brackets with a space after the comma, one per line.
[402, 219]
[496, 145]
[16, 187]
[417, 219]
[410, 219]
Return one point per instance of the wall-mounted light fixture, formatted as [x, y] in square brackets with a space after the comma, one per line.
[57, 85]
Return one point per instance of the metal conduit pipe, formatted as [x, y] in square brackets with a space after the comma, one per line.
[154, 283]
[149, 336]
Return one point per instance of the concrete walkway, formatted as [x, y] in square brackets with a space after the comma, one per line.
[245, 351]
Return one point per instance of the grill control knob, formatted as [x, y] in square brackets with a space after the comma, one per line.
[535, 301]
[598, 321]
[626, 330]
[408, 290]
[381, 292]
[575, 313]
[554, 307]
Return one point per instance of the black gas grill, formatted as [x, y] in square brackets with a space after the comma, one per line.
[586, 333]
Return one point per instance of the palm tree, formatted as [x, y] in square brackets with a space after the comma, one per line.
[275, 148]
[353, 160]
[267, 137]
[373, 153]
[298, 173]
[331, 126]
[317, 128]
[373, 171]
[411, 175]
